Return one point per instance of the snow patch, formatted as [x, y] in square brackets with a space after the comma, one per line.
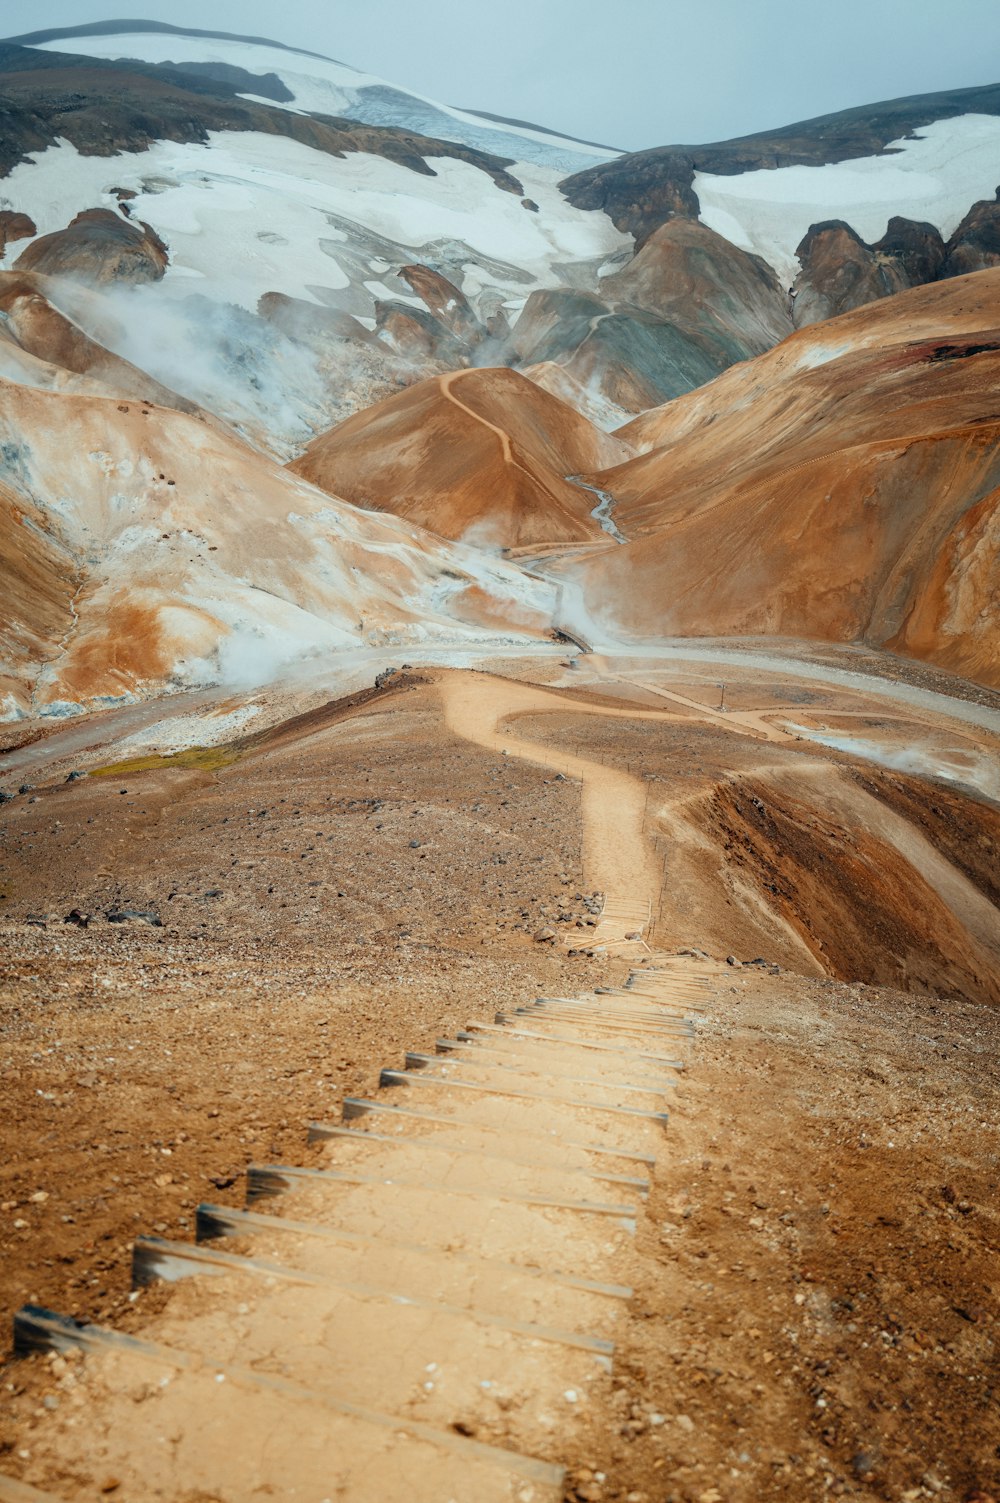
[327, 87]
[936, 176]
[211, 202]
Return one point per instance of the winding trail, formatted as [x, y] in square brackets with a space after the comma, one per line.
[617, 858]
[447, 383]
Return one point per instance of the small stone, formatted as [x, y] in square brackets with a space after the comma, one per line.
[39, 1198]
[110, 1484]
[686, 1423]
[545, 936]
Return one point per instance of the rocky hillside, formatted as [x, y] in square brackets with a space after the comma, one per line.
[845, 485]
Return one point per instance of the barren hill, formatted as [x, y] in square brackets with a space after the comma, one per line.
[479, 454]
[182, 556]
[843, 485]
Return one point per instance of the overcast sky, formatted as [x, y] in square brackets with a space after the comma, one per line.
[631, 73]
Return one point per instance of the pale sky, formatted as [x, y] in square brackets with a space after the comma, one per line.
[630, 73]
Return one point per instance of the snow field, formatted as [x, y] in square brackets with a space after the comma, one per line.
[936, 177]
[246, 213]
[324, 86]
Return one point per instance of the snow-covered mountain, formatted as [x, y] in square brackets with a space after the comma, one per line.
[227, 248]
[293, 218]
[310, 83]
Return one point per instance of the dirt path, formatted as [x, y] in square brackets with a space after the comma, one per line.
[626, 660]
[447, 387]
[617, 857]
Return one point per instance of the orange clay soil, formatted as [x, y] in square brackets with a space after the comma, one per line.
[481, 454]
[843, 485]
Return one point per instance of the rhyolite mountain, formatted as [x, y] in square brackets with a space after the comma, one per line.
[250, 295]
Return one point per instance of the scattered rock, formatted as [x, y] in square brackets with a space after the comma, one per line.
[77, 917]
[134, 915]
[545, 936]
[75, 775]
[863, 1465]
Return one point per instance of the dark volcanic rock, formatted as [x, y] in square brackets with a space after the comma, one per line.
[644, 189]
[975, 245]
[701, 281]
[98, 246]
[14, 226]
[418, 336]
[840, 272]
[443, 299]
[309, 322]
[688, 305]
[916, 246]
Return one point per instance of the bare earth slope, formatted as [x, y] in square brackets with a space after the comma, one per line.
[197, 558]
[687, 306]
[482, 453]
[814, 1303]
[842, 486]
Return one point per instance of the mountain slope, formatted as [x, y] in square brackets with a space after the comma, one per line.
[307, 81]
[191, 558]
[479, 454]
[641, 190]
[688, 305]
[844, 485]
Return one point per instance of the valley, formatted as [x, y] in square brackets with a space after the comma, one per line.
[499, 793]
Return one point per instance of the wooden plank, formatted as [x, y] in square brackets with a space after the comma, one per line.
[227, 1221]
[40, 1330]
[276, 1179]
[505, 1023]
[356, 1106]
[536, 1061]
[321, 1132]
[157, 1259]
[430, 1061]
[415, 1077]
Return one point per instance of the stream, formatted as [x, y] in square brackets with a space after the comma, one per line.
[602, 511]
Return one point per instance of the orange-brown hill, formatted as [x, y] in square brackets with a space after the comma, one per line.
[842, 486]
[477, 454]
